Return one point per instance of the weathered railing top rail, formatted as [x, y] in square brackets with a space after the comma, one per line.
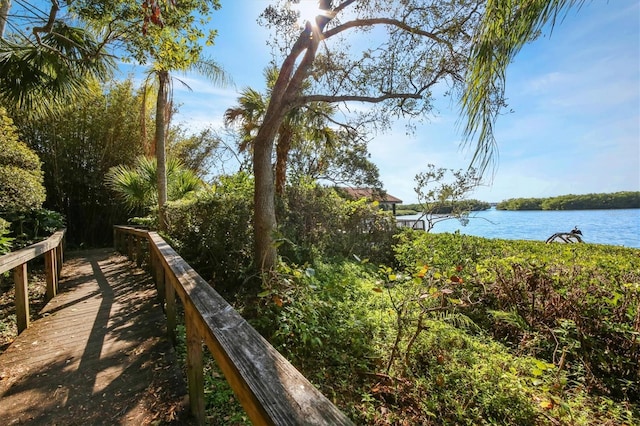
[17, 258]
[270, 389]
[52, 249]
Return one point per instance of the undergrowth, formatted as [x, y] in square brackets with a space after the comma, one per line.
[464, 330]
[460, 330]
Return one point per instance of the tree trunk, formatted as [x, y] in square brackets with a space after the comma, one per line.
[161, 103]
[282, 153]
[5, 6]
[264, 216]
[287, 87]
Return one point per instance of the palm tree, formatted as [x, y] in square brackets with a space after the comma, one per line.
[300, 124]
[164, 103]
[45, 68]
[137, 185]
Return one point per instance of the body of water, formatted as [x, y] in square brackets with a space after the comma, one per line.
[614, 227]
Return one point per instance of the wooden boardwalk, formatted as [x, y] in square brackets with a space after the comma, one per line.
[97, 355]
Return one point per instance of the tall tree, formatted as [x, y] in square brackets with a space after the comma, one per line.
[344, 162]
[389, 54]
[198, 152]
[417, 44]
[169, 37]
[306, 124]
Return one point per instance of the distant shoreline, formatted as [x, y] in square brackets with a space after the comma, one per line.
[602, 201]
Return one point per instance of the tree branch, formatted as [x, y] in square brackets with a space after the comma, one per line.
[55, 7]
[383, 21]
[354, 98]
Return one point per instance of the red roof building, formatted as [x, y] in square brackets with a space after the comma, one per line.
[387, 201]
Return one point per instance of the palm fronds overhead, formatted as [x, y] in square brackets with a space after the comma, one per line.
[37, 76]
[506, 26]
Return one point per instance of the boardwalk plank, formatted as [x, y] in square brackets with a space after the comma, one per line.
[97, 356]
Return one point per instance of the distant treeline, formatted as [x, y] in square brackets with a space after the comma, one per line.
[448, 207]
[616, 200]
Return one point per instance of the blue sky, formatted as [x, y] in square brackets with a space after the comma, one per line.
[575, 96]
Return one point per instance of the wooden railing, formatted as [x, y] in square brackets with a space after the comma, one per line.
[411, 223]
[52, 248]
[269, 388]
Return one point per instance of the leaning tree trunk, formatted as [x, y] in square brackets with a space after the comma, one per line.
[5, 6]
[161, 103]
[287, 88]
[264, 216]
[282, 153]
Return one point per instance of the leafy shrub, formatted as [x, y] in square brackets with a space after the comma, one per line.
[576, 306]
[21, 178]
[5, 241]
[337, 324]
[29, 227]
[317, 222]
[318, 318]
[212, 231]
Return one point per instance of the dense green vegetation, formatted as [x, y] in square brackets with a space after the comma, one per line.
[22, 218]
[21, 185]
[396, 327]
[616, 200]
[446, 208]
[427, 329]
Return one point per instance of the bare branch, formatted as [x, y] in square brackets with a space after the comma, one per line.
[55, 7]
[354, 98]
[356, 23]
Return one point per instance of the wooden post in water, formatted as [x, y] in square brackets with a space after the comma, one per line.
[51, 273]
[21, 297]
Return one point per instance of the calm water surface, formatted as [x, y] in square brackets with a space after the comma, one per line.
[615, 227]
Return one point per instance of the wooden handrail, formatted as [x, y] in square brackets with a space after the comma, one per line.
[269, 388]
[52, 248]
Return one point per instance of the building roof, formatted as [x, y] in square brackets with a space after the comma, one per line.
[371, 194]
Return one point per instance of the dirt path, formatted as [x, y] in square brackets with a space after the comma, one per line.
[97, 356]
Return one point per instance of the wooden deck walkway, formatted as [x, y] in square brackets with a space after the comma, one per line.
[97, 355]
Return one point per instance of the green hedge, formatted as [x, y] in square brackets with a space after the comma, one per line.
[21, 178]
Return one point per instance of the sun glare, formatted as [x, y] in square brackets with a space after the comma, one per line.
[307, 11]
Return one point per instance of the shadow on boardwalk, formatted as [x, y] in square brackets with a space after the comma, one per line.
[98, 356]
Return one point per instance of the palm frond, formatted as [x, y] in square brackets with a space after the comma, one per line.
[507, 25]
[132, 187]
[40, 76]
[213, 72]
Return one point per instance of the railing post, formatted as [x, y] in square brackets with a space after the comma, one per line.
[195, 376]
[138, 251]
[21, 297]
[158, 275]
[51, 273]
[130, 243]
[170, 308]
[59, 260]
